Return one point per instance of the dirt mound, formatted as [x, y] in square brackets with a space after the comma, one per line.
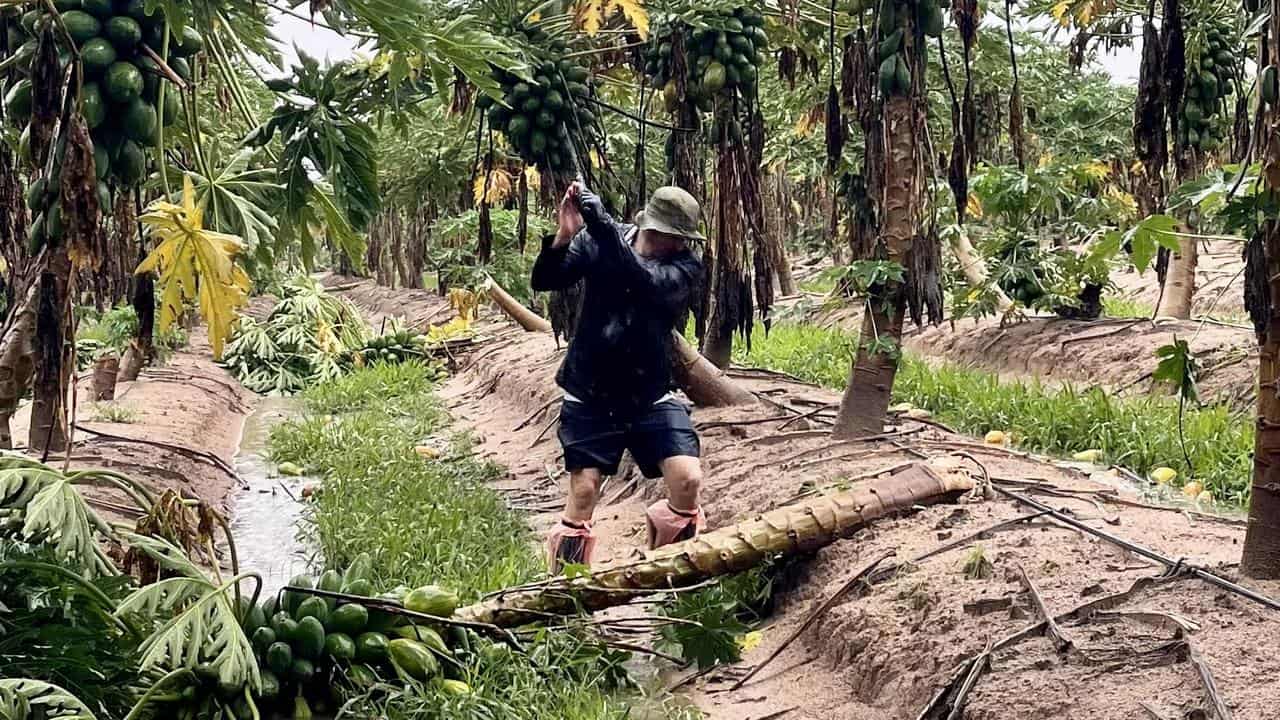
[1110, 353]
[186, 417]
[884, 651]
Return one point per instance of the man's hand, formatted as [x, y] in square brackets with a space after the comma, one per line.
[568, 217]
[590, 206]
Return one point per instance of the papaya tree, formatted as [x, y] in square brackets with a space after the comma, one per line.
[1261, 556]
[904, 264]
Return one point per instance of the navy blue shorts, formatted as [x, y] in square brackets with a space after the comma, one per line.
[595, 439]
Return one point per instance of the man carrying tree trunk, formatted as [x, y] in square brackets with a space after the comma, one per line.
[639, 279]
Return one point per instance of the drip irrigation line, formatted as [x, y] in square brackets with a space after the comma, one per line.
[1174, 566]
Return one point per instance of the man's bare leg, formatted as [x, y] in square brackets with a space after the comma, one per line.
[679, 517]
[571, 540]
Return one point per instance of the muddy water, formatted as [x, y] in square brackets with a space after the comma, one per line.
[268, 511]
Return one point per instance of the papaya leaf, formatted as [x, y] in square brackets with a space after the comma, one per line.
[54, 513]
[194, 264]
[233, 200]
[164, 598]
[1150, 234]
[1178, 368]
[42, 698]
[208, 630]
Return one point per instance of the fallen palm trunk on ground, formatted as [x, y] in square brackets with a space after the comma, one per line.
[788, 530]
[704, 383]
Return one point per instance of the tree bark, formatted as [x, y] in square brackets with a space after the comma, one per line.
[1180, 280]
[142, 349]
[523, 316]
[1261, 556]
[48, 432]
[789, 530]
[16, 360]
[866, 398]
[704, 383]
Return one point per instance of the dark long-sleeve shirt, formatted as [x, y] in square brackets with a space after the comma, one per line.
[619, 357]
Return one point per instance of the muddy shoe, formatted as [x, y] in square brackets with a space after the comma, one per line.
[668, 525]
[569, 543]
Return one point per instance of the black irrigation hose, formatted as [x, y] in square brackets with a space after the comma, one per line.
[1174, 566]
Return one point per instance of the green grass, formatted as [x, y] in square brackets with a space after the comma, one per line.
[112, 412]
[436, 521]
[422, 521]
[1139, 433]
[1123, 307]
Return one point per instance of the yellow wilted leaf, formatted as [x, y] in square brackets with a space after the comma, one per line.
[464, 304]
[749, 641]
[194, 263]
[1097, 170]
[634, 12]
[533, 178]
[589, 16]
[499, 187]
[973, 207]
[534, 17]
[1060, 11]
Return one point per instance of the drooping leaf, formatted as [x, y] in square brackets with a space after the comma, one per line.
[194, 264]
[54, 513]
[208, 630]
[45, 699]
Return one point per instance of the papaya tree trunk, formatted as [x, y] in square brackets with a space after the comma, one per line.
[523, 316]
[16, 360]
[1180, 281]
[704, 383]
[866, 397]
[789, 530]
[1261, 557]
[48, 432]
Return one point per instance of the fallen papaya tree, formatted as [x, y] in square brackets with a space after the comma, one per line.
[788, 530]
[704, 383]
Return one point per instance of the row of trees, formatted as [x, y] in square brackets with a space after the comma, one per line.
[796, 126]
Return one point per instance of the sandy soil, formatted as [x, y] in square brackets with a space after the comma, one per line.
[1119, 354]
[188, 402]
[885, 651]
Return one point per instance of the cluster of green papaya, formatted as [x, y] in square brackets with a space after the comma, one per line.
[723, 54]
[1203, 124]
[541, 115]
[894, 75]
[118, 98]
[391, 347]
[312, 650]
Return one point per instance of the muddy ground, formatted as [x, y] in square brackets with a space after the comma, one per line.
[884, 651]
[186, 402]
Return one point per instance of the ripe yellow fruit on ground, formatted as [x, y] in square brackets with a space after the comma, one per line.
[427, 452]
[995, 437]
[1089, 456]
[1163, 475]
[1192, 489]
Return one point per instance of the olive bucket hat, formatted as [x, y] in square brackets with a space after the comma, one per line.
[673, 211]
